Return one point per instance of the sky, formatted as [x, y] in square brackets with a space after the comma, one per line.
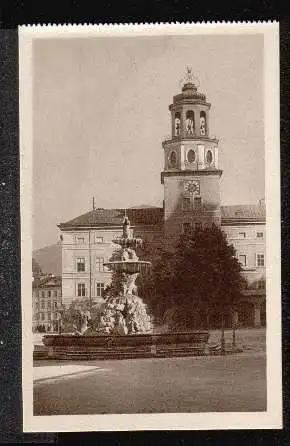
[100, 113]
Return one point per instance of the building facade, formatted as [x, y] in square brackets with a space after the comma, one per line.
[46, 303]
[87, 243]
[192, 200]
[245, 228]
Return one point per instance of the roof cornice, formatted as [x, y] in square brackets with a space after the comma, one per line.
[178, 173]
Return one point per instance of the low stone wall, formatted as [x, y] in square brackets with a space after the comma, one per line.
[123, 347]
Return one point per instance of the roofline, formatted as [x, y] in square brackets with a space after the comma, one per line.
[172, 173]
[241, 222]
[63, 226]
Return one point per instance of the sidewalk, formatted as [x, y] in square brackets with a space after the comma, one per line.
[57, 371]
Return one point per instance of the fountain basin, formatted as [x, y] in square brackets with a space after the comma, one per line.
[128, 266]
[86, 347]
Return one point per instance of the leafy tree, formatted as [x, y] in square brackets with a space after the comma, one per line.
[157, 286]
[202, 275]
[208, 272]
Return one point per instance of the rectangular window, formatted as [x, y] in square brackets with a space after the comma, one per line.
[43, 294]
[242, 235]
[260, 260]
[80, 240]
[36, 294]
[243, 259]
[198, 226]
[100, 263]
[55, 293]
[186, 204]
[186, 228]
[55, 304]
[197, 202]
[261, 284]
[81, 265]
[100, 289]
[49, 316]
[37, 306]
[54, 315]
[260, 235]
[42, 316]
[81, 289]
[99, 240]
[49, 294]
[48, 304]
[42, 304]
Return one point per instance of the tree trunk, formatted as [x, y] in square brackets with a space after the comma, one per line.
[234, 330]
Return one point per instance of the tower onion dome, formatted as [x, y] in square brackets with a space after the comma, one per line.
[189, 84]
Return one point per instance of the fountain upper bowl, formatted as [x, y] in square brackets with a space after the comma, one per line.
[128, 266]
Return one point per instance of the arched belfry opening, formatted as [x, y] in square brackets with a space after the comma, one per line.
[189, 123]
[202, 124]
[177, 124]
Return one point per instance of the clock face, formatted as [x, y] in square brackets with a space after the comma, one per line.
[192, 187]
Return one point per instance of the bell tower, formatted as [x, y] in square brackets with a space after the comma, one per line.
[191, 175]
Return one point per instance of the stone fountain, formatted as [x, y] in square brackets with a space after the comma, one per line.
[126, 313]
[124, 329]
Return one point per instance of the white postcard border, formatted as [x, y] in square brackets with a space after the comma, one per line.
[272, 418]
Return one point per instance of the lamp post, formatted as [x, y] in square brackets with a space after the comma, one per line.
[223, 334]
[234, 326]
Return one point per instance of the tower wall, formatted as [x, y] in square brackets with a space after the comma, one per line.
[176, 212]
[191, 175]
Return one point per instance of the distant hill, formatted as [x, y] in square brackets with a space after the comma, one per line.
[36, 270]
[49, 259]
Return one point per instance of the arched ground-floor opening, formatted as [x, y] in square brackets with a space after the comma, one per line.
[246, 313]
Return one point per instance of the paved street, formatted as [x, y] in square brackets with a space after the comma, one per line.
[196, 384]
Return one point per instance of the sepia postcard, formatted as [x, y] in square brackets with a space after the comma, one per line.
[150, 227]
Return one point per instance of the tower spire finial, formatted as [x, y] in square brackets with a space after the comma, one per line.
[189, 77]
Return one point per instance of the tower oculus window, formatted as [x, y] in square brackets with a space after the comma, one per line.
[209, 157]
[173, 158]
[191, 156]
